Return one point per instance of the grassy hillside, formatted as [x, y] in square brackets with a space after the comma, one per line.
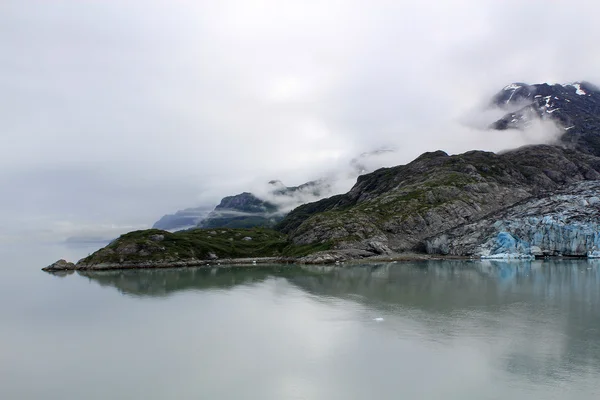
[158, 245]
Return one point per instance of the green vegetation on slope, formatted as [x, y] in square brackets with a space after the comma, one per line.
[163, 246]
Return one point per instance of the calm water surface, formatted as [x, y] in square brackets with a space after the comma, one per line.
[428, 330]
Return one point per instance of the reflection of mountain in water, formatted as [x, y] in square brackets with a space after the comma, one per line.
[453, 285]
[547, 312]
[163, 282]
[429, 285]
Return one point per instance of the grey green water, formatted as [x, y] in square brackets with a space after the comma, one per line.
[430, 330]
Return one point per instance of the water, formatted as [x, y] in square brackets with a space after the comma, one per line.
[429, 330]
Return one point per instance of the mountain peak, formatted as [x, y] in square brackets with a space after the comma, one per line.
[574, 107]
[515, 93]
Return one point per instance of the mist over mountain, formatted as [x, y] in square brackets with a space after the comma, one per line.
[183, 219]
[109, 129]
[529, 122]
[270, 202]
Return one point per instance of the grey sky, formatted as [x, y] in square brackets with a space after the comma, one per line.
[113, 113]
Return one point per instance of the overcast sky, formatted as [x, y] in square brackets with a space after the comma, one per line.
[113, 113]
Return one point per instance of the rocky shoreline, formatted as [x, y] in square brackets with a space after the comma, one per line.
[329, 257]
[63, 265]
[321, 258]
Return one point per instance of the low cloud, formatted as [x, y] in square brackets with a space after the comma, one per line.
[158, 106]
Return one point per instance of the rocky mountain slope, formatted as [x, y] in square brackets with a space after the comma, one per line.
[395, 209]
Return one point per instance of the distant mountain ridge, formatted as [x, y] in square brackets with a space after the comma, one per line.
[247, 210]
[182, 219]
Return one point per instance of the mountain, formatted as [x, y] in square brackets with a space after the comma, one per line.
[396, 209]
[538, 200]
[246, 210]
[265, 209]
[574, 107]
[182, 219]
[411, 207]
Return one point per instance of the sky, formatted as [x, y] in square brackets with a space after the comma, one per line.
[113, 113]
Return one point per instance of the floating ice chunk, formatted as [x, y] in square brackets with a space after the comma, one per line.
[594, 254]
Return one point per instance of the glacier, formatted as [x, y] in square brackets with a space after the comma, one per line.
[561, 223]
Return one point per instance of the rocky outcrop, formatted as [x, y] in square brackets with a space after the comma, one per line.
[565, 222]
[334, 256]
[60, 265]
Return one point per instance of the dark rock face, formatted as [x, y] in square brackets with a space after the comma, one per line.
[574, 107]
[60, 265]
